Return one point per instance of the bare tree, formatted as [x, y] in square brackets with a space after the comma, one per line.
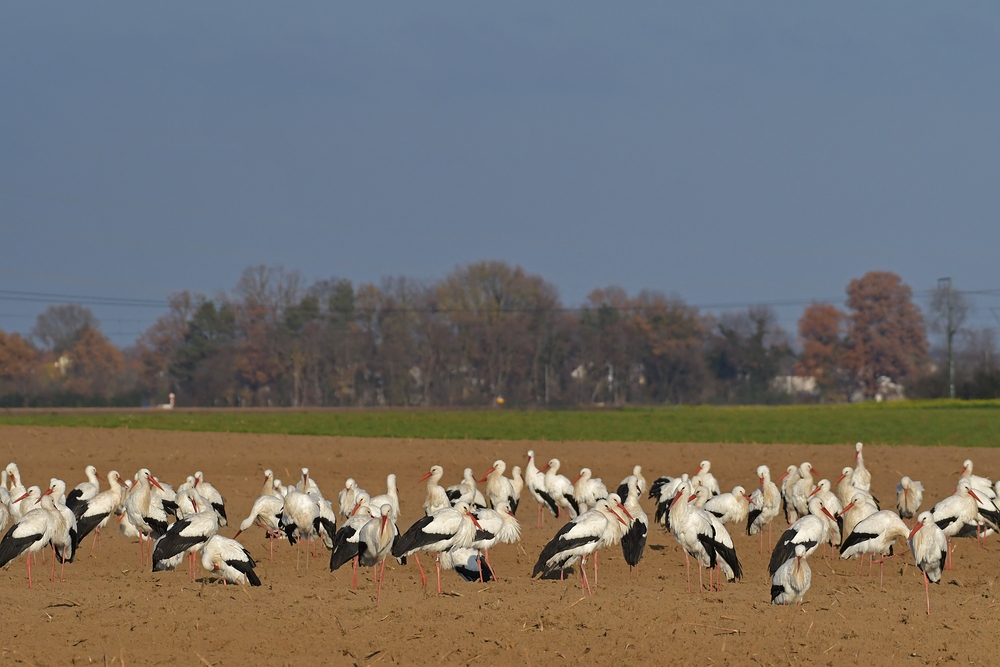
[59, 327]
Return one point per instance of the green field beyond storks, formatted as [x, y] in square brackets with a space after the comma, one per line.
[974, 424]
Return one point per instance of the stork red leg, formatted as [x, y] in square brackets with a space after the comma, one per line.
[927, 593]
[595, 568]
[423, 577]
[29, 570]
[489, 565]
[62, 568]
[354, 576]
[437, 561]
[381, 576]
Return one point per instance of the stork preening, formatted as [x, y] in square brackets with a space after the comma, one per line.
[230, 559]
[30, 534]
[534, 480]
[809, 531]
[634, 539]
[499, 489]
[875, 535]
[909, 496]
[792, 579]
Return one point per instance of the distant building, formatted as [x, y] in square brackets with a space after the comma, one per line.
[796, 385]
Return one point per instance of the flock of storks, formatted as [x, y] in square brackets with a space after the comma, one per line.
[461, 524]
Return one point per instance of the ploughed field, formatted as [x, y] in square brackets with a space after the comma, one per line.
[110, 611]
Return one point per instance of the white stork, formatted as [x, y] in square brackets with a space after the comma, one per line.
[212, 495]
[788, 481]
[266, 513]
[535, 481]
[499, 489]
[496, 526]
[445, 529]
[810, 531]
[707, 478]
[579, 538]
[436, 498]
[390, 498]
[790, 583]
[347, 543]
[875, 535]
[909, 496]
[731, 507]
[587, 490]
[634, 539]
[84, 490]
[29, 535]
[702, 537]
[186, 535]
[929, 547]
[230, 559]
[862, 478]
[560, 489]
[765, 504]
[145, 509]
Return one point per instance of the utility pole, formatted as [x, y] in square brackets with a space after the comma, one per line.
[945, 284]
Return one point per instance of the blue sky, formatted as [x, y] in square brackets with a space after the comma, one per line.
[728, 152]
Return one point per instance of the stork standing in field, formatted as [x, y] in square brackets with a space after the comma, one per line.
[496, 526]
[16, 489]
[347, 545]
[664, 490]
[145, 510]
[517, 484]
[266, 513]
[451, 527]
[390, 498]
[929, 547]
[862, 478]
[64, 533]
[731, 507]
[230, 559]
[703, 538]
[634, 539]
[466, 491]
[790, 583]
[909, 496]
[84, 491]
[803, 488]
[212, 495]
[94, 514]
[299, 519]
[534, 479]
[377, 537]
[436, 498]
[578, 539]
[707, 478]
[875, 535]
[955, 512]
[788, 481]
[347, 495]
[588, 490]
[622, 490]
[981, 485]
[765, 504]
[810, 531]
[29, 535]
[187, 535]
[560, 489]
[832, 504]
[499, 489]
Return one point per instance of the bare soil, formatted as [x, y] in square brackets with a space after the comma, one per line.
[109, 611]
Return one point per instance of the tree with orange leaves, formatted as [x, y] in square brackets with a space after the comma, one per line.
[821, 330]
[885, 330]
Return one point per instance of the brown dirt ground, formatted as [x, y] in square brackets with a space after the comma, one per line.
[110, 612]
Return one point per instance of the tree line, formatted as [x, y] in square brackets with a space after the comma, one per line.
[487, 333]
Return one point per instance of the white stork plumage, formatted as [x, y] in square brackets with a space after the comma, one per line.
[587, 490]
[875, 535]
[266, 513]
[790, 583]
[765, 505]
[909, 496]
[230, 559]
[496, 526]
[499, 489]
[862, 479]
[186, 535]
[84, 490]
[634, 539]
[447, 528]
[212, 495]
[703, 538]
[788, 480]
[731, 507]
[560, 489]
[534, 479]
[707, 478]
[436, 498]
[579, 538]
[810, 531]
[390, 498]
[929, 547]
[30, 534]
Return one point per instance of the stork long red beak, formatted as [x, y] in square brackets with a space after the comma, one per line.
[624, 509]
[354, 511]
[849, 506]
[827, 512]
[485, 475]
[152, 480]
[783, 475]
[474, 520]
[749, 499]
[98, 476]
[547, 466]
[814, 492]
[618, 517]
[237, 533]
[973, 494]
[47, 492]
[839, 479]
[385, 517]
[17, 500]
[427, 476]
[693, 496]
[578, 478]
[914, 531]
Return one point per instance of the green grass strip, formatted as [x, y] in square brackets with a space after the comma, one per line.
[972, 424]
